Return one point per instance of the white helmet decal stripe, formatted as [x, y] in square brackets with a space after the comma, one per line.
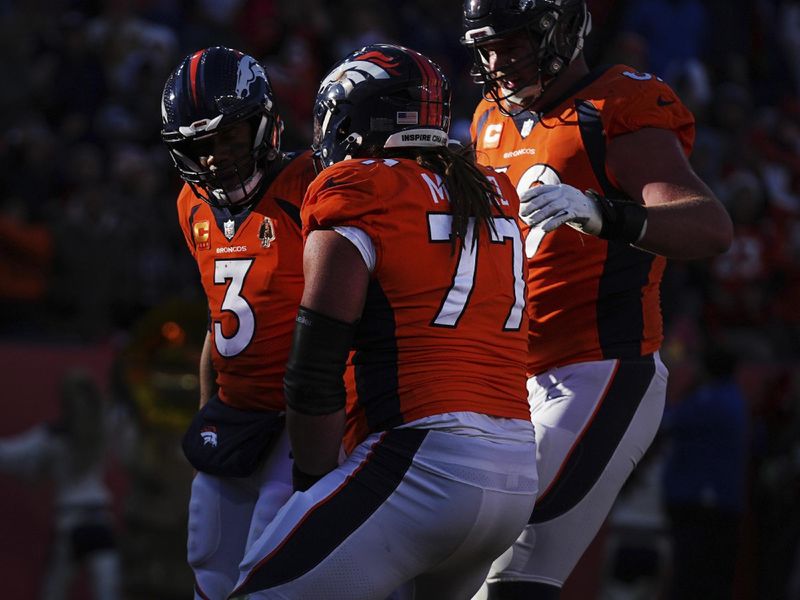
[354, 71]
[326, 120]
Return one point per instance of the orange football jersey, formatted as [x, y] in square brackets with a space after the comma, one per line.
[443, 330]
[588, 299]
[251, 268]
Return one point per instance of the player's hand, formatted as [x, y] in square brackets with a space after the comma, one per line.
[549, 206]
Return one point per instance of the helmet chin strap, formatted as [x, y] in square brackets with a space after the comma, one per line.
[514, 103]
[242, 191]
[526, 96]
[351, 145]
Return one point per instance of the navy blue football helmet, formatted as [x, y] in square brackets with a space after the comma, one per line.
[208, 95]
[555, 30]
[381, 96]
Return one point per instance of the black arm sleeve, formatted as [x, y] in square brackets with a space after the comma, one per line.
[313, 383]
[623, 220]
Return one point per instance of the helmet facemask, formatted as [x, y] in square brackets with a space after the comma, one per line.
[554, 32]
[239, 166]
[220, 125]
[333, 138]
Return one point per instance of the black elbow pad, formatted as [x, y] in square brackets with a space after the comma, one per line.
[313, 383]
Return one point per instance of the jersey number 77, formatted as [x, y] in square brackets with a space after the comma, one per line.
[457, 297]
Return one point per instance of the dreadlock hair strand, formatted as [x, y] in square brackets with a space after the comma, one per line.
[472, 195]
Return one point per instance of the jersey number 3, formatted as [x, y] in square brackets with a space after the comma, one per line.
[234, 271]
[458, 295]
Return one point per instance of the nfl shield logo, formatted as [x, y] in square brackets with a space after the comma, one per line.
[527, 126]
[229, 229]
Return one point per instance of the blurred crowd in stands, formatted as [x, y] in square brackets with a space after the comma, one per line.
[90, 244]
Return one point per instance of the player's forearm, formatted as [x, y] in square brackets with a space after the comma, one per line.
[207, 374]
[315, 440]
[336, 279]
[687, 229]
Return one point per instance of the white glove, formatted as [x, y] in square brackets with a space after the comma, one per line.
[549, 206]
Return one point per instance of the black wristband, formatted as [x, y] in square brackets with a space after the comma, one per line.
[623, 220]
[301, 480]
[313, 383]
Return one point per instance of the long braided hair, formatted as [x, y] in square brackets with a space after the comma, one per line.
[471, 194]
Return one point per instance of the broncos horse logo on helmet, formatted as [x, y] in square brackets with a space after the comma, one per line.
[555, 30]
[209, 93]
[381, 96]
[249, 73]
[361, 68]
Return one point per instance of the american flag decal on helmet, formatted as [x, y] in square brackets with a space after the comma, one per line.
[407, 118]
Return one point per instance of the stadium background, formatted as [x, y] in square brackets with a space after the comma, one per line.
[94, 275]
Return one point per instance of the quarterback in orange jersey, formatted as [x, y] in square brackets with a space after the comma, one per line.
[240, 215]
[414, 285]
[599, 159]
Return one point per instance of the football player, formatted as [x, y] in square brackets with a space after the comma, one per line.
[240, 214]
[600, 160]
[414, 290]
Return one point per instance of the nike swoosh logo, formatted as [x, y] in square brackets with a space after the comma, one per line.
[661, 101]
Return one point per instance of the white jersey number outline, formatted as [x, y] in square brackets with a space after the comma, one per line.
[234, 271]
[455, 301]
[541, 174]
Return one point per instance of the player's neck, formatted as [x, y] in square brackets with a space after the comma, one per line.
[575, 71]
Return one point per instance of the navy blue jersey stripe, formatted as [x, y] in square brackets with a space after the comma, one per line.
[192, 214]
[482, 122]
[375, 361]
[291, 210]
[620, 312]
[590, 455]
[332, 520]
[626, 271]
[594, 141]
